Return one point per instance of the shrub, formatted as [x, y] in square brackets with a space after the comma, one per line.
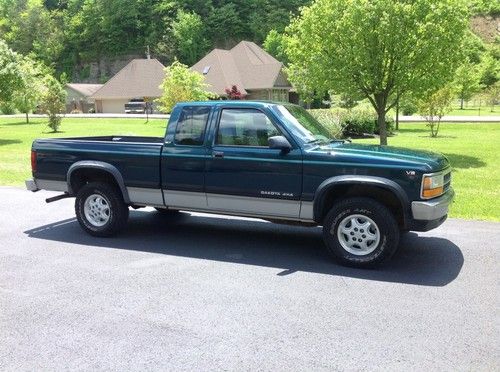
[332, 119]
[7, 108]
[434, 106]
[53, 102]
[408, 107]
[355, 122]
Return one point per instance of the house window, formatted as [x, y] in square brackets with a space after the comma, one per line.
[191, 125]
[279, 95]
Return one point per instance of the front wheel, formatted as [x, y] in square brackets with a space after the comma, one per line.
[100, 209]
[360, 232]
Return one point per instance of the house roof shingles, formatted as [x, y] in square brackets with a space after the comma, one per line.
[246, 65]
[85, 90]
[140, 78]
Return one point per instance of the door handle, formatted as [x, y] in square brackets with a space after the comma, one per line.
[217, 154]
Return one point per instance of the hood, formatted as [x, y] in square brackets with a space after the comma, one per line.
[384, 155]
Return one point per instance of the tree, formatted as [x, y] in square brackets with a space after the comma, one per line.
[189, 34]
[492, 94]
[433, 106]
[490, 69]
[28, 95]
[53, 101]
[180, 85]
[381, 49]
[274, 44]
[234, 93]
[467, 82]
[10, 76]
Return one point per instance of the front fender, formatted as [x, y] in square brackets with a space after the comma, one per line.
[380, 182]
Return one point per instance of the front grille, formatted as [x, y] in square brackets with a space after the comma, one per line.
[447, 180]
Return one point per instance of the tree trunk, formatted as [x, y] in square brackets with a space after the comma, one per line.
[27, 118]
[382, 128]
[397, 115]
[461, 103]
[380, 100]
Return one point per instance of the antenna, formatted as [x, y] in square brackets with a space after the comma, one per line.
[148, 55]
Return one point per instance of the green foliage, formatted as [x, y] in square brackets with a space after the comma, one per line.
[380, 49]
[490, 68]
[53, 101]
[29, 93]
[492, 95]
[7, 108]
[70, 34]
[434, 106]
[274, 44]
[342, 122]
[10, 76]
[189, 34]
[490, 7]
[332, 119]
[408, 105]
[467, 82]
[182, 85]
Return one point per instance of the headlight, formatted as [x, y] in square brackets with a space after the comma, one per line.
[432, 185]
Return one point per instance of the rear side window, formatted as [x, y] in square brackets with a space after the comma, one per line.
[245, 127]
[191, 126]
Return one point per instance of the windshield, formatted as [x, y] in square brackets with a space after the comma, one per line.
[302, 124]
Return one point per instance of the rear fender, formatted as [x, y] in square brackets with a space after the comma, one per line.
[93, 164]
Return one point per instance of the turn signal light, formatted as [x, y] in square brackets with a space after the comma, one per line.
[430, 193]
[33, 161]
[432, 185]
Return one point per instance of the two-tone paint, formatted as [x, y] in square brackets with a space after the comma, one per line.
[242, 180]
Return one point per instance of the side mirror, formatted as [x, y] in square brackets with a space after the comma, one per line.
[279, 143]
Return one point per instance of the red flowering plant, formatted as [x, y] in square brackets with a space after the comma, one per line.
[234, 93]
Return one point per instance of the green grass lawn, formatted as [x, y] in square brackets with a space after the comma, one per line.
[475, 110]
[473, 149]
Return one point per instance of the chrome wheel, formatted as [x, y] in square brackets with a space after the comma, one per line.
[358, 234]
[96, 209]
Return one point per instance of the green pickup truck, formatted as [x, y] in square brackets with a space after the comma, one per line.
[268, 160]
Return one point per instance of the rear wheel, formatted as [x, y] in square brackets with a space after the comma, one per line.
[360, 232]
[100, 209]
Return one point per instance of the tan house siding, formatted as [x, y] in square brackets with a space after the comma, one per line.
[115, 106]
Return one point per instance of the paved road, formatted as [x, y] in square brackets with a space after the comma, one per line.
[217, 293]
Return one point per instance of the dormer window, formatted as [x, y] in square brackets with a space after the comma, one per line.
[206, 70]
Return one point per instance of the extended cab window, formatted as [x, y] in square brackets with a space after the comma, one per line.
[190, 128]
[245, 127]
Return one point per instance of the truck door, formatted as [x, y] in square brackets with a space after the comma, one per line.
[184, 156]
[244, 175]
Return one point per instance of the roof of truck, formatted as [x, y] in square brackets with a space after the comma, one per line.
[239, 103]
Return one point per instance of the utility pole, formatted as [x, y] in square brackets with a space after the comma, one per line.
[148, 54]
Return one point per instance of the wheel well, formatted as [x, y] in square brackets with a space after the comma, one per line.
[380, 194]
[83, 176]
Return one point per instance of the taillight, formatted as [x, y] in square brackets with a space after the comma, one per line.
[33, 161]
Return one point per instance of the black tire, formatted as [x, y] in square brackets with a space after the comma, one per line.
[116, 210]
[382, 220]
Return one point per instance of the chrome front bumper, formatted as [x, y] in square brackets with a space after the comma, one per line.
[31, 185]
[434, 209]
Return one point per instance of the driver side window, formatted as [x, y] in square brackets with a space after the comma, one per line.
[245, 127]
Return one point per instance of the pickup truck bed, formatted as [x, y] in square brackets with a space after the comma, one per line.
[256, 159]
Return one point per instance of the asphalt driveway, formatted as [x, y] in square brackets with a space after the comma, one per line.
[207, 292]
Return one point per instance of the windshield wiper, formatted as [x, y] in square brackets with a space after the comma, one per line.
[340, 140]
